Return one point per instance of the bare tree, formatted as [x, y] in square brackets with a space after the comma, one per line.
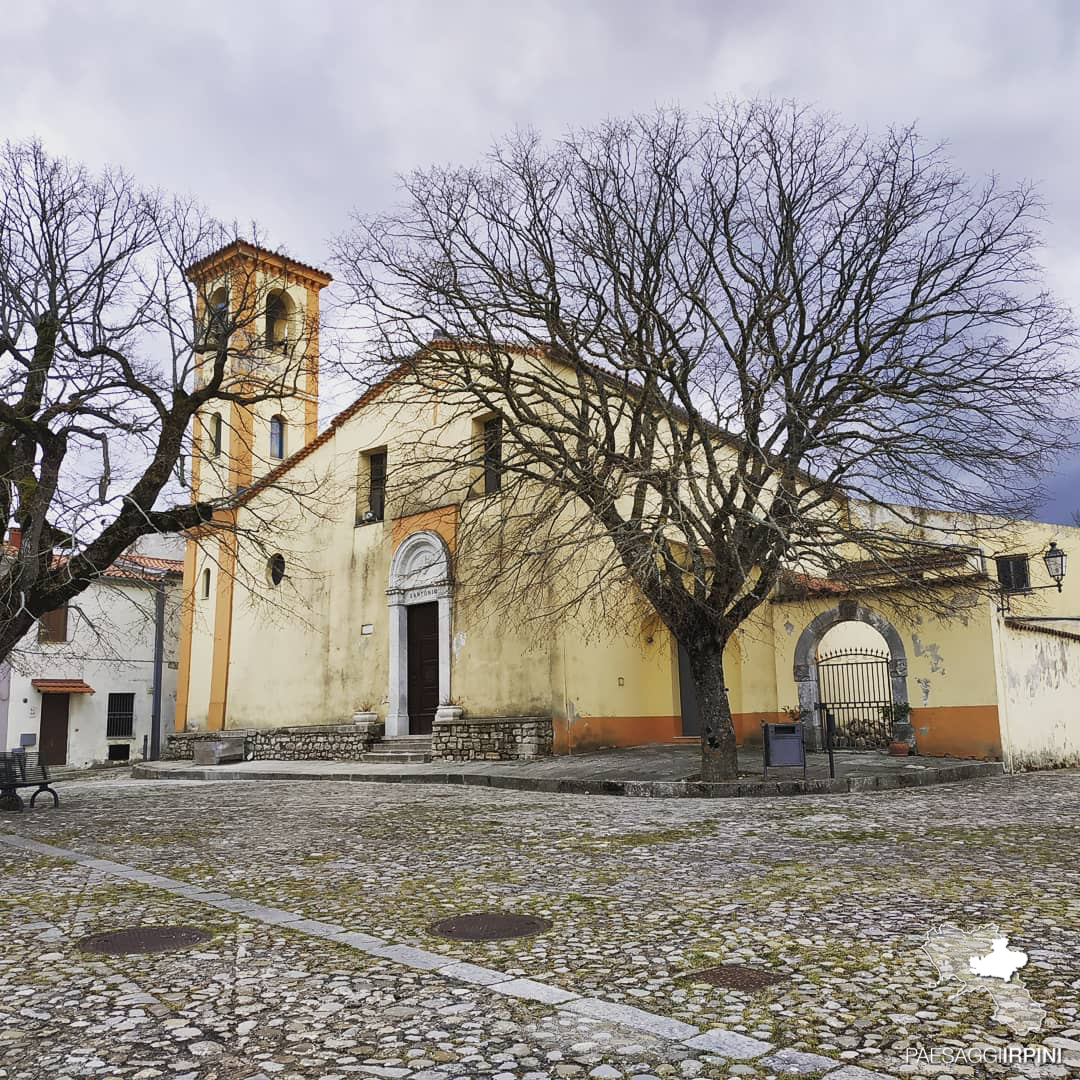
[109, 351]
[710, 341]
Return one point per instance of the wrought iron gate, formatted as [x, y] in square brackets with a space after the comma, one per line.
[855, 689]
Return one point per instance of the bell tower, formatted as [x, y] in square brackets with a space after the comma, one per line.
[258, 319]
[257, 329]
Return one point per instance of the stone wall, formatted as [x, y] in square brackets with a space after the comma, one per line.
[334, 742]
[494, 738]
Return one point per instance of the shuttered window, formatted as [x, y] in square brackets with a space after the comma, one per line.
[1013, 573]
[52, 626]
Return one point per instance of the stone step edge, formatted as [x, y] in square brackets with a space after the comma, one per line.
[643, 789]
[720, 1041]
[247, 733]
[397, 759]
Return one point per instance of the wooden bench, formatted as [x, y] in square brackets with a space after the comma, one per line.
[19, 769]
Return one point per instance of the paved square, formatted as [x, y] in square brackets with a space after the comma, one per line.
[310, 887]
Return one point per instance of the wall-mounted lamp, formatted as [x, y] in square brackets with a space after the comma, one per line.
[1055, 564]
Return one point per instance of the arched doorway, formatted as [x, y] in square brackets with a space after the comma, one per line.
[419, 596]
[854, 685]
[884, 677]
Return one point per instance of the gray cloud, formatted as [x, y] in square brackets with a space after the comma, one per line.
[294, 114]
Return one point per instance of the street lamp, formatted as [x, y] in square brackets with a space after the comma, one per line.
[1055, 564]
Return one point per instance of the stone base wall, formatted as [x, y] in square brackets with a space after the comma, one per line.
[334, 742]
[494, 738]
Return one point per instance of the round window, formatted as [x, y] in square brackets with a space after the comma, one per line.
[275, 569]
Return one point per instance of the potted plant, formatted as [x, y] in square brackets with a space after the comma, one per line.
[449, 711]
[899, 713]
[366, 716]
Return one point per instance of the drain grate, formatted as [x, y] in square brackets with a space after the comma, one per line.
[736, 977]
[489, 926]
[143, 939]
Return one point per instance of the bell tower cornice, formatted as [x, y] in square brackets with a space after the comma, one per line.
[250, 256]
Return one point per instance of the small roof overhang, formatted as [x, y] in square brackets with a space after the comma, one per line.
[61, 686]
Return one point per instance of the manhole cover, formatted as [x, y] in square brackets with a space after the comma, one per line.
[489, 926]
[736, 977]
[143, 939]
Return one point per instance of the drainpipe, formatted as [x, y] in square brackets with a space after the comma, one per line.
[1001, 677]
[5, 694]
[159, 653]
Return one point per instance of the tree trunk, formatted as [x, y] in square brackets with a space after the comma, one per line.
[12, 630]
[719, 760]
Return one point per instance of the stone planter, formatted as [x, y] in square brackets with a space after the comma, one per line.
[369, 724]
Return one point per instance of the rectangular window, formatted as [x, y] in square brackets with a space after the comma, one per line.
[1012, 572]
[377, 485]
[52, 626]
[121, 717]
[371, 469]
[492, 455]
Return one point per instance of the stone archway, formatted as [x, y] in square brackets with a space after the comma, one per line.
[805, 668]
[419, 574]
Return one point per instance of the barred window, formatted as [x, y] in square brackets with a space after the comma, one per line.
[121, 717]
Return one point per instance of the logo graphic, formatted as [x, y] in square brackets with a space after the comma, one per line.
[982, 960]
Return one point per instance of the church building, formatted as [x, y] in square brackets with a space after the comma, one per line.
[323, 605]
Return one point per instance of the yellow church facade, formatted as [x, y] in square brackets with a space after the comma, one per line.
[323, 599]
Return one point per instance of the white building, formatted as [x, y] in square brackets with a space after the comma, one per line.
[86, 684]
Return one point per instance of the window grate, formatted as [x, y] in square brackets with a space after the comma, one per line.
[121, 716]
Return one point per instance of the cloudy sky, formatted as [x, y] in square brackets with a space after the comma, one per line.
[294, 114]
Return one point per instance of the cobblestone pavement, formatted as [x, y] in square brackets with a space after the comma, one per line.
[834, 893]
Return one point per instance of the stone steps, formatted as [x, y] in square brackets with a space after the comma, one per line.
[400, 750]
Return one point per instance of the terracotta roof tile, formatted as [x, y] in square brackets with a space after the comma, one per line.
[1020, 623]
[321, 439]
[131, 565]
[61, 686]
[242, 247]
[147, 562]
